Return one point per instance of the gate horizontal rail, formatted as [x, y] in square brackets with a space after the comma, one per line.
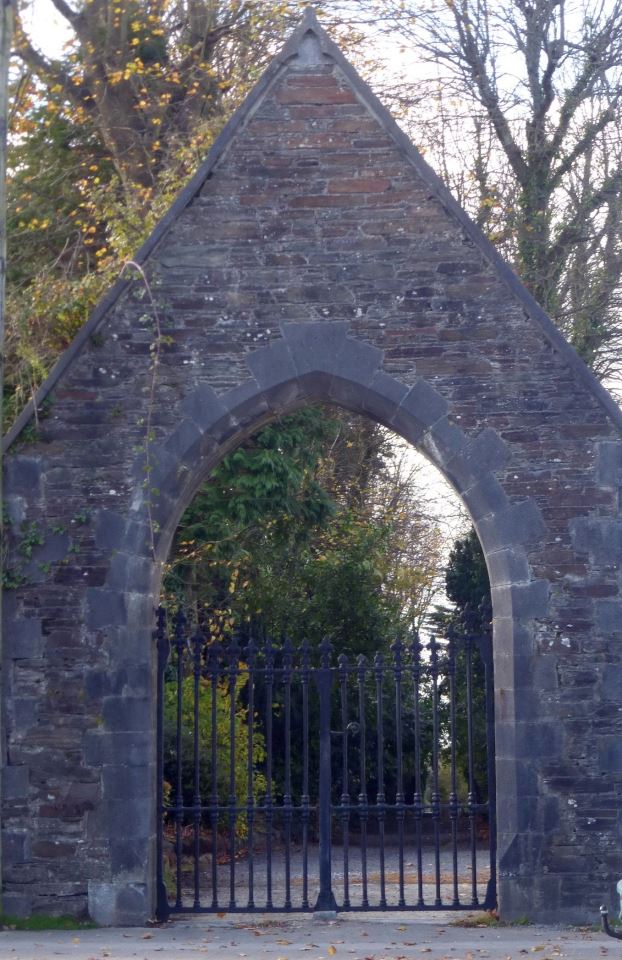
[294, 779]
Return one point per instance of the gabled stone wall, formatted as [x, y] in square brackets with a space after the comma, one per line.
[315, 257]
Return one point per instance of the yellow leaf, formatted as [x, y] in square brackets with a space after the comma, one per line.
[332, 951]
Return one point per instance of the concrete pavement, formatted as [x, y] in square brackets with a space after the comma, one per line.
[277, 937]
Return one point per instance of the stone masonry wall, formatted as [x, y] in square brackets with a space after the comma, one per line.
[316, 262]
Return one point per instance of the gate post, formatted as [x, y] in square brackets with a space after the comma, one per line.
[326, 899]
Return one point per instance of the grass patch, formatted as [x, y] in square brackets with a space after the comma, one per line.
[43, 921]
[488, 918]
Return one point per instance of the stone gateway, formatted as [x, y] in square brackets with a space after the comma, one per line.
[314, 257]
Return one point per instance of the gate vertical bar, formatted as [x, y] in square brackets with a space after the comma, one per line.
[380, 796]
[362, 798]
[415, 650]
[269, 661]
[485, 648]
[345, 793]
[287, 796]
[234, 655]
[164, 649]
[397, 650]
[197, 649]
[326, 899]
[180, 645]
[305, 800]
[212, 664]
[472, 799]
[250, 770]
[453, 795]
[435, 799]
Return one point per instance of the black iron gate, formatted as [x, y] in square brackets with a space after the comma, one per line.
[297, 779]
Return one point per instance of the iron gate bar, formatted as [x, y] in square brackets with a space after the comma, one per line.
[362, 798]
[345, 792]
[164, 652]
[212, 671]
[484, 647]
[196, 645]
[435, 798]
[380, 797]
[396, 650]
[417, 799]
[180, 642]
[305, 799]
[279, 671]
[288, 660]
[453, 796]
[324, 678]
[250, 771]
[468, 647]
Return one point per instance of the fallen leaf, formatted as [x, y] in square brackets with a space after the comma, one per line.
[286, 942]
[332, 951]
[147, 936]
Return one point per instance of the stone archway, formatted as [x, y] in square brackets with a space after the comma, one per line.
[325, 264]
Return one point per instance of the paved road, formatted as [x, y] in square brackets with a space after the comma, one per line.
[355, 937]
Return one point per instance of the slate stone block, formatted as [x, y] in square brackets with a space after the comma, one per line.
[484, 498]
[610, 463]
[425, 403]
[272, 364]
[522, 601]
[612, 682]
[203, 406]
[24, 474]
[521, 523]
[183, 438]
[246, 403]
[15, 781]
[445, 442]
[610, 755]
[126, 713]
[315, 346]
[105, 608]
[14, 846]
[23, 639]
[488, 450]
[109, 528]
[103, 747]
[17, 903]
[608, 615]
[25, 711]
[508, 566]
[124, 782]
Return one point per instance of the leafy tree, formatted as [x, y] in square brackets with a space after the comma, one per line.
[468, 588]
[468, 585]
[101, 139]
[520, 107]
[224, 693]
[309, 529]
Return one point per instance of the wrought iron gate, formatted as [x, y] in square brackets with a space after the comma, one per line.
[297, 779]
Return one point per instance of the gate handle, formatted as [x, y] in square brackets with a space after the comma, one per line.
[353, 728]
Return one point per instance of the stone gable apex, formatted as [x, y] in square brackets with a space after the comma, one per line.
[310, 45]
